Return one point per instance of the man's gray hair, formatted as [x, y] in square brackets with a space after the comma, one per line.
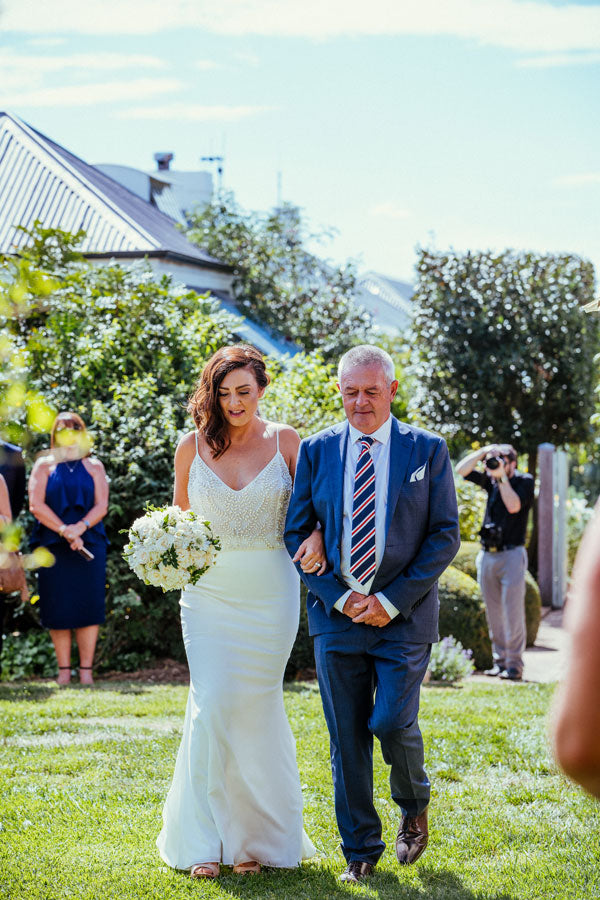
[367, 355]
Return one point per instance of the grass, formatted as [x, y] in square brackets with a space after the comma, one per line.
[83, 775]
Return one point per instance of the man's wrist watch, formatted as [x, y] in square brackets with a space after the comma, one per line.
[503, 479]
[61, 530]
[86, 522]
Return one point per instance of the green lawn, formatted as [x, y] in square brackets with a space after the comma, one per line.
[83, 774]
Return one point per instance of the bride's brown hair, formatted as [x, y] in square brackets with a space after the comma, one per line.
[204, 406]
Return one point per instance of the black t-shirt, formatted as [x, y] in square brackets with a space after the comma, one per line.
[514, 525]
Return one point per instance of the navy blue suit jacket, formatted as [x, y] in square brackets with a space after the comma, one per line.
[422, 535]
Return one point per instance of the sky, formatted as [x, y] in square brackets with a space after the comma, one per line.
[394, 124]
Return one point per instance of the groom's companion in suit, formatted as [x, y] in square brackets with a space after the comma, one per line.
[384, 494]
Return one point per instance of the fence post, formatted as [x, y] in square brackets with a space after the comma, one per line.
[561, 483]
[546, 523]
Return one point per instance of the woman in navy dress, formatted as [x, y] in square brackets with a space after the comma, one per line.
[68, 495]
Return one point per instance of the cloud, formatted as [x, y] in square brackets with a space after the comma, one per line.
[389, 210]
[583, 179]
[247, 59]
[100, 62]
[46, 42]
[559, 59]
[88, 94]
[192, 112]
[525, 25]
[204, 65]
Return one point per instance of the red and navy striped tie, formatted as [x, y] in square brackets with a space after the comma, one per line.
[362, 545]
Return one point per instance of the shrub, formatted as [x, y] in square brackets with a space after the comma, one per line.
[123, 348]
[471, 508]
[497, 339]
[303, 394]
[27, 654]
[278, 281]
[462, 614]
[449, 661]
[465, 561]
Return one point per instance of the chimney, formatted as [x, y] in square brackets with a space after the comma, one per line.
[163, 161]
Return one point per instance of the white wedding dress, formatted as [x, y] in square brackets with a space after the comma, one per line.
[236, 794]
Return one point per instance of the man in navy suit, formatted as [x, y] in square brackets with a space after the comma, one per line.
[384, 494]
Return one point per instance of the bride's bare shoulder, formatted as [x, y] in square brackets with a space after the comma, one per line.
[288, 437]
[186, 448]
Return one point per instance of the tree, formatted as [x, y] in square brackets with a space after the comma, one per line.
[124, 350]
[503, 350]
[278, 282]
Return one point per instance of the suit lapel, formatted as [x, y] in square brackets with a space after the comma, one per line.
[337, 447]
[401, 447]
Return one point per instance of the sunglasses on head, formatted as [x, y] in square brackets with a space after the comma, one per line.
[71, 426]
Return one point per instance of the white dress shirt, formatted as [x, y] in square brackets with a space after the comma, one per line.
[380, 453]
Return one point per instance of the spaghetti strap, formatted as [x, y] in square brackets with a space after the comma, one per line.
[196, 436]
[277, 433]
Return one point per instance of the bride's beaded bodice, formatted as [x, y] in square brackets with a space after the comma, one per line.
[250, 519]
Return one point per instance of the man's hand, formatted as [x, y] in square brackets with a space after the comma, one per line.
[374, 613]
[355, 605]
[500, 472]
[493, 449]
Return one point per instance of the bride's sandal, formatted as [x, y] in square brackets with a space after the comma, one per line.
[247, 868]
[205, 870]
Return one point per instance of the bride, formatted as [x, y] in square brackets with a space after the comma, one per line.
[235, 797]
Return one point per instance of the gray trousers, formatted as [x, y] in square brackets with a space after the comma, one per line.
[501, 577]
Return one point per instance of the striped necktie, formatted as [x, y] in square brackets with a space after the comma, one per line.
[362, 545]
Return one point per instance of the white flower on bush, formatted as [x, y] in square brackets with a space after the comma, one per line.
[170, 548]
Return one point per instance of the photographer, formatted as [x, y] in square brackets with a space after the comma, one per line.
[502, 564]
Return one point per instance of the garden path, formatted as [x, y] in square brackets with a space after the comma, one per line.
[547, 659]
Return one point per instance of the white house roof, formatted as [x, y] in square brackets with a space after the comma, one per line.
[40, 180]
[388, 300]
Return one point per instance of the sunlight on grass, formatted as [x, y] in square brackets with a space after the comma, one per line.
[85, 773]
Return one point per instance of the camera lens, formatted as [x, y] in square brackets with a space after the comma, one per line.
[492, 463]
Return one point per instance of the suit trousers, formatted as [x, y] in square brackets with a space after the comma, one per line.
[371, 686]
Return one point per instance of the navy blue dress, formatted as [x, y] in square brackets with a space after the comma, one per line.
[72, 590]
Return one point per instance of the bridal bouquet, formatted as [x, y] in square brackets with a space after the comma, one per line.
[170, 548]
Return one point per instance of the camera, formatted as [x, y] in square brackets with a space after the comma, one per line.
[491, 536]
[493, 462]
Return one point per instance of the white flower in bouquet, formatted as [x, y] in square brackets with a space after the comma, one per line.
[170, 548]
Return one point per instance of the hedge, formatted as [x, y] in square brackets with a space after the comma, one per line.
[465, 561]
[462, 614]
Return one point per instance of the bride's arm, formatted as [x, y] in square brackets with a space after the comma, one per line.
[311, 552]
[184, 456]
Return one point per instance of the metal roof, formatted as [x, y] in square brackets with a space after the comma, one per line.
[254, 332]
[41, 180]
[388, 301]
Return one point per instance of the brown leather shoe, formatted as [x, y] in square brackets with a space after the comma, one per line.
[412, 838]
[357, 871]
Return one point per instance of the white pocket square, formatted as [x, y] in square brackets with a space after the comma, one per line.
[418, 474]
